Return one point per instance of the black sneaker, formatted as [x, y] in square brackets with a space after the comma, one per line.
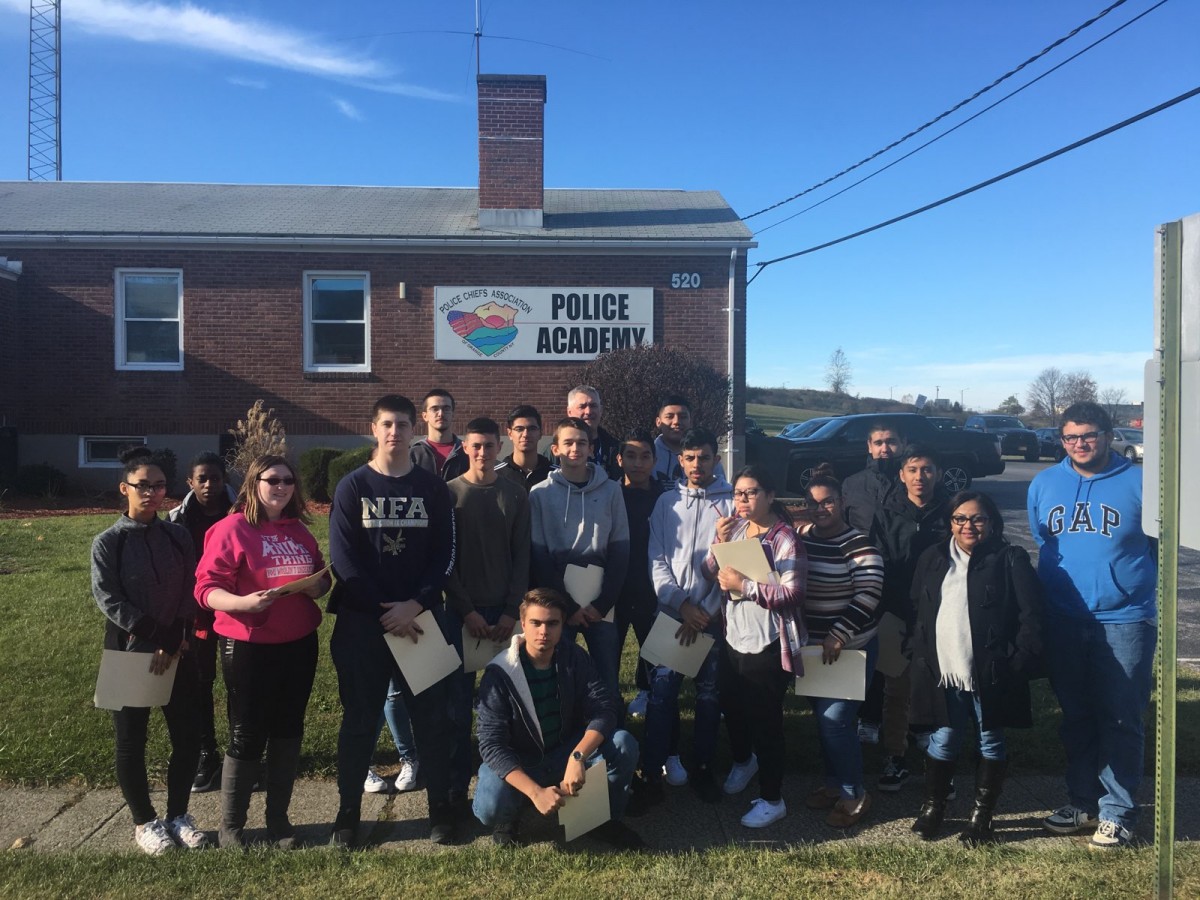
[643, 795]
[894, 774]
[705, 785]
[506, 835]
[345, 826]
[618, 835]
[208, 774]
[443, 825]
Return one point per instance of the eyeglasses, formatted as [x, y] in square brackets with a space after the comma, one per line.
[977, 521]
[275, 481]
[145, 487]
[521, 429]
[828, 503]
[1088, 437]
[747, 495]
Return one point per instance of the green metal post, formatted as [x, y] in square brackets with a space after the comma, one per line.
[1170, 304]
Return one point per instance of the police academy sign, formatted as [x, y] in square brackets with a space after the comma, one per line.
[538, 323]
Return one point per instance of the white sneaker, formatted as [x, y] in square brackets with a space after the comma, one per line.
[637, 706]
[406, 778]
[185, 833]
[674, 772]
[375, 785]
[740, 775]
[763, 813]
[152, 838]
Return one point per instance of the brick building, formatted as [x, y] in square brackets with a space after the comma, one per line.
[162, 311]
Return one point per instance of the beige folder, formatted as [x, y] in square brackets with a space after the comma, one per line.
[429, 660]
[589, 808]
[662, 648]
[748, 557]
[583, 583]
[845, 679]
[126, 680]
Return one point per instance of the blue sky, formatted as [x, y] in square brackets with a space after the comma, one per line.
[756, 100]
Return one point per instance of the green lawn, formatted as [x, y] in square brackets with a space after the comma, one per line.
[772, 418]
[50, 647]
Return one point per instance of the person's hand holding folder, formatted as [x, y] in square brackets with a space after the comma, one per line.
[695, 620]
[398, 619]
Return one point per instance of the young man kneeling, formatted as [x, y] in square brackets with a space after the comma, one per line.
[543, 714]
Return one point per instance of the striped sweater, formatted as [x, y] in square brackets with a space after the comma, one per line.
[845, 583]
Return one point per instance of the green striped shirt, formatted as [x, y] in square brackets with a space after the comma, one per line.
[543, 686]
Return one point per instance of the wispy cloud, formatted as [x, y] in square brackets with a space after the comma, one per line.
[347, 109]
[238, 37]
[255, 83]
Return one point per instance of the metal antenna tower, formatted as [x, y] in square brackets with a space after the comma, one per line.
[45, 91]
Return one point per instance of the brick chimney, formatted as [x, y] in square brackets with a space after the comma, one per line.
[511, 128]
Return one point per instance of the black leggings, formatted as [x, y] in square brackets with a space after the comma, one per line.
[751, 687]
[183, 726]
[268, 686]
[205, 651]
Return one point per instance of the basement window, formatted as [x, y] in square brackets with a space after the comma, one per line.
[337, 322]
[103, 452]
[149, 319]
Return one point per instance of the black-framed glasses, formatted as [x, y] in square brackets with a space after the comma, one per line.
[749, 494]
[978, 521]
[827, 504]
[146, 487]
[276, 481]
[1088, 437]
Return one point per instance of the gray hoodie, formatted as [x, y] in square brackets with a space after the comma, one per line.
[584, 526]
[683, 527]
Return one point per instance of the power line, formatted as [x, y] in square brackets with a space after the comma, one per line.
[965, 121]
[977, 187]
[937, 119]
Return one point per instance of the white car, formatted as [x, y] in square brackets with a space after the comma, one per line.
[1128, 442]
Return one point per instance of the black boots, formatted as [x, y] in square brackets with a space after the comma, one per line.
[938, 775]
[283, 760]
[237, 784]
[989, 779]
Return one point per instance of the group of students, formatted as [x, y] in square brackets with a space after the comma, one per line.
[443, 525]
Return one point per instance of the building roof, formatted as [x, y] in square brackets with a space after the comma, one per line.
[142, 211]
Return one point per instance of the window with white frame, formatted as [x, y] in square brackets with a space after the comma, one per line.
[149, 319]
[104, 452]
[337, 322]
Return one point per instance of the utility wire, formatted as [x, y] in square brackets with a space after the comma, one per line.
[1029, 165]
[965, 121]
[937, 119]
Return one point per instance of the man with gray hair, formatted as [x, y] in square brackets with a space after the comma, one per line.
[583, 402]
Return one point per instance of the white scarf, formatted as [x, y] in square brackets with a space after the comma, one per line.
[953, 632]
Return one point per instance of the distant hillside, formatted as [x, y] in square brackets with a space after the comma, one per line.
[822, 402]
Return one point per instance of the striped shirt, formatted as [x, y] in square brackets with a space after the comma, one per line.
[845, 583]
[543, 689]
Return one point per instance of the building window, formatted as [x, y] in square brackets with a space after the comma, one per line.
[149, 319]
[104, 452]
[337, 322]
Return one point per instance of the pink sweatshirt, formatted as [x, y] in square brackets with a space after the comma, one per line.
[242, 559]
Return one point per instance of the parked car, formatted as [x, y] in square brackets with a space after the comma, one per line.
[842, 442]
[803, 429]
[1128, 442]
[943, 423]
[1015, 438]
[751, 427]
[1050, 443]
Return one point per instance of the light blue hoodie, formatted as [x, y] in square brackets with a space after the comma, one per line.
[683, 527]
[1094, 559]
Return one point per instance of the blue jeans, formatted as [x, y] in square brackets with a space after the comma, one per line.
[462, 688]
[1101, 676]
[837, 727]
[662, 715]
[961, 707]
[365, 668]
[604, 647]
[498, 803]
[396, 717]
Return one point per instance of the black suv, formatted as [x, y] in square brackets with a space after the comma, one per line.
[1015, 438]
[842, 442]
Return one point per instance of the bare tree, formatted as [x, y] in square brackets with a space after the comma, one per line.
[1112, 399]
[837, 373]
[1078, 387]
[1045, 393]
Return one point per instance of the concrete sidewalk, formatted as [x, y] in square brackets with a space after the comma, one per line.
[63, 820]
